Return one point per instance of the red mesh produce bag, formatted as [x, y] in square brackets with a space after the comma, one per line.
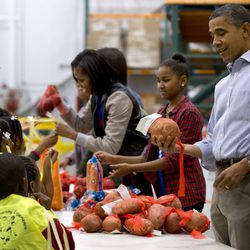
[139, 226]
[49, 101]
[194, 222]
[167, 127]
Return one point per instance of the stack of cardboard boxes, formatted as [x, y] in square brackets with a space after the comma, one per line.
[104, 33]
[143, 43]
[140, 40]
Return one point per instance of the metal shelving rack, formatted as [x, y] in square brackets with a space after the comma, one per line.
[189, 20]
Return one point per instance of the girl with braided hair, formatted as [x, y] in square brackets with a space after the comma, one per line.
[38, 185]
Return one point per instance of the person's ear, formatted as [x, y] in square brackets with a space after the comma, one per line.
[23, 187]
[246, 30]
[183, 81]
[32, 186]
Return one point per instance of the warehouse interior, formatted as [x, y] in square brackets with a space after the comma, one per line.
[41, 38]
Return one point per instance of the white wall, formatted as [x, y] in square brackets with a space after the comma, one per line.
[39, 39]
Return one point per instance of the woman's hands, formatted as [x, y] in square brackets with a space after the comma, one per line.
[65, 131]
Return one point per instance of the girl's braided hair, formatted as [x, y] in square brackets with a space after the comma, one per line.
[12, 125]
[31, 170]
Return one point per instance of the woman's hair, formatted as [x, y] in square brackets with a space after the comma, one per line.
[117, 61]
[95, 66]
[11, 125]
[12, 172]
[31, 169]
[233, 13]
[178, 64]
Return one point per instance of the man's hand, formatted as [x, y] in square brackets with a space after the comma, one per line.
[231, 177]
[166, 144]
[120, 169]
[65, 131]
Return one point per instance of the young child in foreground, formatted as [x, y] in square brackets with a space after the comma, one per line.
[24, 223]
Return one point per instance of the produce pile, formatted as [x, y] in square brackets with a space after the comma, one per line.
[119, 210]
[139, 215]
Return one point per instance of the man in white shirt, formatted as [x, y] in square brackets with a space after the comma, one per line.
[228, 144]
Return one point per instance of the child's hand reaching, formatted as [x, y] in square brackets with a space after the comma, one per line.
[120, 169]
[52, 155]
[47, 142]
[43, 199]
[47, 182]
[106, 158]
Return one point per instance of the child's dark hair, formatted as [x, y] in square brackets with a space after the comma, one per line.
[4, 112]
[31, 170]
[178, 64]
[12, 125]
[98, 70]
[12, 172]
[4, 129]
[234, 13]
[117, 61]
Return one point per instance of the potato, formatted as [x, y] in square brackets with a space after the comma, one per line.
[148, 200]
[91, 223]
[198, 222]
[164, 127]
[80, 213]
[171, 224]
[113, 196]
[139, 226]
[99, 210]
[112, 223]
[170, 200]
[156, 214]
[128, 206]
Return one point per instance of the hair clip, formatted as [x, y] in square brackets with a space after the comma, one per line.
[13, 117]
[6, 135]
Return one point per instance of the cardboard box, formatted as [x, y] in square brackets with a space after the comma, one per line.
[143, 43]
[104, 33]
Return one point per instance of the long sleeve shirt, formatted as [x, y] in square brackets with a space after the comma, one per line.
[189, 120]
[229, 124]
[119, 108]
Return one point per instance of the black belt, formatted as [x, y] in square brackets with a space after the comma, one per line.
[225, 163]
